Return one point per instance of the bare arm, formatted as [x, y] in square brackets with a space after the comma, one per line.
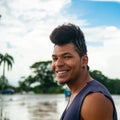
[97, 107]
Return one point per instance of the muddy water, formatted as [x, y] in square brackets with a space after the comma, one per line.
[32, 107]
[37, 107]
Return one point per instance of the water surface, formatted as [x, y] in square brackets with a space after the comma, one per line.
[37, 107]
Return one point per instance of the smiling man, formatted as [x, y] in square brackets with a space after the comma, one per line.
[89, 100]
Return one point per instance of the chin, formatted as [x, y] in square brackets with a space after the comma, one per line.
[62, 82]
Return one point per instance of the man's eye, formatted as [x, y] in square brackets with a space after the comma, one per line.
[54, 58]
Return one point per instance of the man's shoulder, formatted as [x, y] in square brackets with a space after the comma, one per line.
[96, 105]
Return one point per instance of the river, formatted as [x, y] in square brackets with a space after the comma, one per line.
[37, 107]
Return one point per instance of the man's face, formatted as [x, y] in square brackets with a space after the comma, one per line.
[66, 63]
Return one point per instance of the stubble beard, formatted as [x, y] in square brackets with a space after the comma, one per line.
[64, 82]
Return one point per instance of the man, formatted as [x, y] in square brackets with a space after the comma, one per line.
[89, 100]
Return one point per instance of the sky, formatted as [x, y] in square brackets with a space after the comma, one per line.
[25, 26]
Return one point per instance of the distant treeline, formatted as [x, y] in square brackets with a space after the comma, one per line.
[42, 80]
[113, 85]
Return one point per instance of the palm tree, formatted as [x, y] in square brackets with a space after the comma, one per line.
[6, 60]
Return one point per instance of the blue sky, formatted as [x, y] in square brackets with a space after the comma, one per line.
[25, 27]
[98, 13]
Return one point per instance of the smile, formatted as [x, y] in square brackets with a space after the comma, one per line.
[62, 72]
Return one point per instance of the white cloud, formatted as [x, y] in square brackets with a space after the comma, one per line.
[105, 58]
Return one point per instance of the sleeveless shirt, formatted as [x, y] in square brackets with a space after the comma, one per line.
[73, 112]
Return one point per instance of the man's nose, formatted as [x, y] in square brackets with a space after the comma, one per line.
[60, 62]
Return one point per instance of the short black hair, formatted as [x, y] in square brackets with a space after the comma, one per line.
[69, 33]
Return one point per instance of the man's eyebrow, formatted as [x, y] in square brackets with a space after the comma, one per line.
[53, 55]
[66, 53]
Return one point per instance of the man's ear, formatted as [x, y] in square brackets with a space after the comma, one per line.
[84, 60]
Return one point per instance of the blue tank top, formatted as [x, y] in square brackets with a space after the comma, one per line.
[73, 112]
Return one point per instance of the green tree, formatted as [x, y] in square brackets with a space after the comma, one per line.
[25, 83]
[113, 85]
[3, 80]
[98, 75]
[6, 60]
[44, 75]
[41, 81]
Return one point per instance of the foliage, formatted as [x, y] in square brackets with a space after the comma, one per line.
[42, 80]
[99, 76]
[113, 85]
[3, 82]
[6, 60]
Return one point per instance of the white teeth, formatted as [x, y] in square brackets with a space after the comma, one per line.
[61, 72]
